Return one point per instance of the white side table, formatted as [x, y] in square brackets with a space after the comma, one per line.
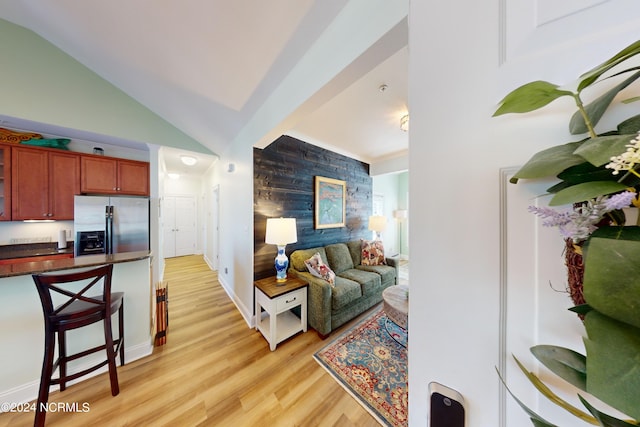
[277, 322]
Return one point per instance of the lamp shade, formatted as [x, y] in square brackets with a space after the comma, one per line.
[400, 213]
[281, 231]
[377, 223]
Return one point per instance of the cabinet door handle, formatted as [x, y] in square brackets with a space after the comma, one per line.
[290, 300]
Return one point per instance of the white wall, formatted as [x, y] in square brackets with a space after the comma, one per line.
[66, 96]
[456, 78]
[235, 266]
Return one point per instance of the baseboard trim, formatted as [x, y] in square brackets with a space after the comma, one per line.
[246, 314]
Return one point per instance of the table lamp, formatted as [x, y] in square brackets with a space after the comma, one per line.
[378, 224]
[280, 232]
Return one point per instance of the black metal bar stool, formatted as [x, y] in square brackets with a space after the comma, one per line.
[75, 311]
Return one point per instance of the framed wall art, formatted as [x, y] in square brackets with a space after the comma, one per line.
[330, 202]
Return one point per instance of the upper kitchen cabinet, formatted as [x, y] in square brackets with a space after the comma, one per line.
[44, 183]
[106, 175]
[5, 183]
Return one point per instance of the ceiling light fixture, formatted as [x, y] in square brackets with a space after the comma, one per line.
[404, 123]
[188, 160]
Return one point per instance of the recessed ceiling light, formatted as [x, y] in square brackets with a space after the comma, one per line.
[188, 160]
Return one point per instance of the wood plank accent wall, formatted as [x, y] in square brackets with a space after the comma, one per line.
[283, 186]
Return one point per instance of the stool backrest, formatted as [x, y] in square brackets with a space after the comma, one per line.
[51, 284]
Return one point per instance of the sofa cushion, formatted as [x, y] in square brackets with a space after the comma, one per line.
[298, 257]
[318, 268]
[344, 292]
[373, 253]
[386, 272]
[355, 249]
[369, 281]
[339, 257]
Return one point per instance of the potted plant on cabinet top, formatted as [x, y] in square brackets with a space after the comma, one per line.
[599, 177]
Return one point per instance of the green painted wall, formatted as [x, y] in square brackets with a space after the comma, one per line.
[41, 83]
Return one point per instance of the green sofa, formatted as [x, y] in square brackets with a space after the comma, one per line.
[357, 287]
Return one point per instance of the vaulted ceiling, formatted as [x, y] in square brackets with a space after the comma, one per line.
[224, 72]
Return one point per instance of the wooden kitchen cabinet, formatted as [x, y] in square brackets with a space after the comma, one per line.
[106, 175]
[44, 183]
[5, 183]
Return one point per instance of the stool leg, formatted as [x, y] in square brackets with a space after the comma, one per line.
[45, 377]
[121, 332]
[62, 359]
[111, 356]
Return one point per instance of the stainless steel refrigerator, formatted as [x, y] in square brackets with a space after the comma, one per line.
[110, 225]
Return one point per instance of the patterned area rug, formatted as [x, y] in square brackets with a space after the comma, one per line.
[372, 367]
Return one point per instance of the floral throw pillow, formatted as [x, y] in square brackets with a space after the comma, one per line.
[373, 253]
[318, 268]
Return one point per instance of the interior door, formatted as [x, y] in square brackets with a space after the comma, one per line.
[179, 226]
[185, 223]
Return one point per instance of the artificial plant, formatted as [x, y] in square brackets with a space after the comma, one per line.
[593, 171]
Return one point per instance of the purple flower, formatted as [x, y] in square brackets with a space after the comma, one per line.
[619, 201]
[581, 222]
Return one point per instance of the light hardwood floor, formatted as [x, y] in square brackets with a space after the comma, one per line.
[213, 371]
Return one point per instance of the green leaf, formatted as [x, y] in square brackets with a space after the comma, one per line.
[530, 97]
[592, 75]
[630, 100]
[569, 365]
[604, 419]
[630, 232]
[596, 109]
[581, 309]
[554, 398]
[613, 362]
[585, 191]
[550, 162]
[525, 408]
[559, 186]
[630, 126]
[586, 172]
[612, 277]
[538, 423]
[598, 151]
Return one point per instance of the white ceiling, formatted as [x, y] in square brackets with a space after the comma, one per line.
[208, 66]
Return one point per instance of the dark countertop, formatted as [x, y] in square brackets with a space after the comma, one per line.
[35, 267]
[33, 249]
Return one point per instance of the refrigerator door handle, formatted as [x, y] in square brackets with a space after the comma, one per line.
[108, 226]
[106, 229]
[110, 230]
